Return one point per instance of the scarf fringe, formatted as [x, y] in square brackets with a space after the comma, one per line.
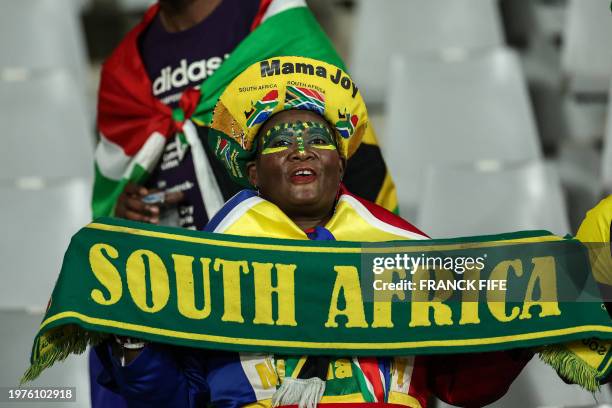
[74, 343]
[306, 393]
[570, 367]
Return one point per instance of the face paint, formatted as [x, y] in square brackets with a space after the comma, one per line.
[312, 134]
[319, 137]
[300, 143]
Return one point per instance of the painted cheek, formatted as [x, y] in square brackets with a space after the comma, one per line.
[271, 150]
[324, 147]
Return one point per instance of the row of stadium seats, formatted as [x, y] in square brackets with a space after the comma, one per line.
[416, 28]
[441, 112]
[48, 153]
[460, 136]
[571, 82]
[43, 35]
[457, 96]
[45, 185]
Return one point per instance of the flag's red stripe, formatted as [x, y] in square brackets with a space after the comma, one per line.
[270, 96]
[263, 7]
[386, 216]
[311, 93]
[369, 366]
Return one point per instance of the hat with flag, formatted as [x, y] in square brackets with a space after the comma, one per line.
[278, 84]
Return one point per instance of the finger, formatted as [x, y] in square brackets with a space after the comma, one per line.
[120, 210]
[136, 189]
[174, 197]
[143, 191]
[136, 205]
[134, 216]
[131, 188]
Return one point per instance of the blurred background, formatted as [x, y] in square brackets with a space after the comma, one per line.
[492, 115]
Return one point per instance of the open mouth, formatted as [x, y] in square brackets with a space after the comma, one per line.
[303, 175]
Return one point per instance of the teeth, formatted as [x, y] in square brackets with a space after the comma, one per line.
[303, 173]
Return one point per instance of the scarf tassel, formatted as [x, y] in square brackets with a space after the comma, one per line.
[74, 343]
[306, 393]
[571, 367]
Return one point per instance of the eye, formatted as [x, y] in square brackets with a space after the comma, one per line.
[318, 141]
[280, 143]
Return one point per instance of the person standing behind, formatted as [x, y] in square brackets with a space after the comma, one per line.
[184, 42]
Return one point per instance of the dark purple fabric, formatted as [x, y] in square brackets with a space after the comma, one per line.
[174, 62]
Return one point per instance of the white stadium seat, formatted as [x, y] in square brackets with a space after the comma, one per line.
[46, 133]
[455, 111]
[413, 27]
[606, 162]
[38, 218]
[586, 53]
[490, 198]
[42, 34]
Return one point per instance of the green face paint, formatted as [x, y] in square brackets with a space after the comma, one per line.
[300, 143]
[305, 134]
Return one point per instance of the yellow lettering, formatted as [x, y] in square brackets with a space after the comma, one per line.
[347, 280]
[544, 274]
[285, 291]
[421, 304]
[382, 314]
[496, 299]
[343, 368]
[330, 372]
[469, 299]
[185, 287]
[106, 273]
[383, 299]
[136, 270]
[232, 304]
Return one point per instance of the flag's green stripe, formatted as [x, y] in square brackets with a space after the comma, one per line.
[294, 32]
[106, 191]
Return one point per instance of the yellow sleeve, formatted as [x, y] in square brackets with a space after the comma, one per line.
[594, 229]
[596, 224]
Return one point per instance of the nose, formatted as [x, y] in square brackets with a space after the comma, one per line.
[297, 154]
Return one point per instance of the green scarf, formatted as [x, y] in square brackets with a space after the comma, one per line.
[226, 292]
